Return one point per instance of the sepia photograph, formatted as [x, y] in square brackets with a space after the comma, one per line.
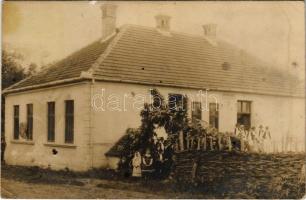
[153, 100]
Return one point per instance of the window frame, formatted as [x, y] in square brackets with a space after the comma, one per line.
[246, 112]
[178, 107]
[69, 122]
[16, 127]
[194, 113]
[215, 116]
[51, 121]
[30, 121]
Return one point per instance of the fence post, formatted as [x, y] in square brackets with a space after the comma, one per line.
[219, 142]
[211, 143]
[199, 143]
[229, 143]
[241, 144]
[181, 140]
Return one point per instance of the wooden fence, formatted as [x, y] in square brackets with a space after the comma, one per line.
[233, 172]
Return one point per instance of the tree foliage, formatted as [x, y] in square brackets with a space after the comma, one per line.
[12, 71]
[158, 114]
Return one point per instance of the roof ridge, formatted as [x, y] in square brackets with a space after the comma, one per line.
[110, 46]
[198, 36]
[170, 31]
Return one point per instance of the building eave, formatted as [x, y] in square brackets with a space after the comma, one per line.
[89, 78]
[196, 87]
[45, 85]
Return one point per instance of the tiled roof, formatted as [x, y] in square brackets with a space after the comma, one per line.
[149, 56]
[70, 67]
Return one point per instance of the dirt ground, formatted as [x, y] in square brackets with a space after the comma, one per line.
[33, 182]
[21, 182]
[18, 189]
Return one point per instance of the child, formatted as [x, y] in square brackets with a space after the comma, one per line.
[136, 163]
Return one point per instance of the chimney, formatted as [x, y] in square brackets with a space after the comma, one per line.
[108, 19]
[163, 22]
[210, 32]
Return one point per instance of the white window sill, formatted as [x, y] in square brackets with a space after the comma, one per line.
[27, 142]
[49, 144]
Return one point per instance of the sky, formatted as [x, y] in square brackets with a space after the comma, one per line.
[49, 31]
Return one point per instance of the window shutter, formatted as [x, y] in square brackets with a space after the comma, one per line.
[196, 111]
[69, 121]
[51, 121]
[29, 132]
[16, 122]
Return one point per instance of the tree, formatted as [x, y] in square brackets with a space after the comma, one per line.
[155, 115]
[12, 72]
[32, 69]
[159, 114]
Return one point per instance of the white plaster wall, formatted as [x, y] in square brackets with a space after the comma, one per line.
[273, 111]
[98, 128]
[76, 156]
[109, 124]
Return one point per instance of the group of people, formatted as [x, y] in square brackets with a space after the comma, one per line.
[242, 139]
[254, 140]
[154, 161]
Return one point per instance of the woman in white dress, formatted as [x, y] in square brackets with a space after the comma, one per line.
[267, 140]
[259, 140]
[136, 163]
[252, 140]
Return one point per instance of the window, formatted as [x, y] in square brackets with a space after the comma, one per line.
[69, 121]
[214, 115]
[196, 111]
[29, 132]
[51, 121]
[244, 113]
[176, 102]
[157, 99]
[16, 122]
